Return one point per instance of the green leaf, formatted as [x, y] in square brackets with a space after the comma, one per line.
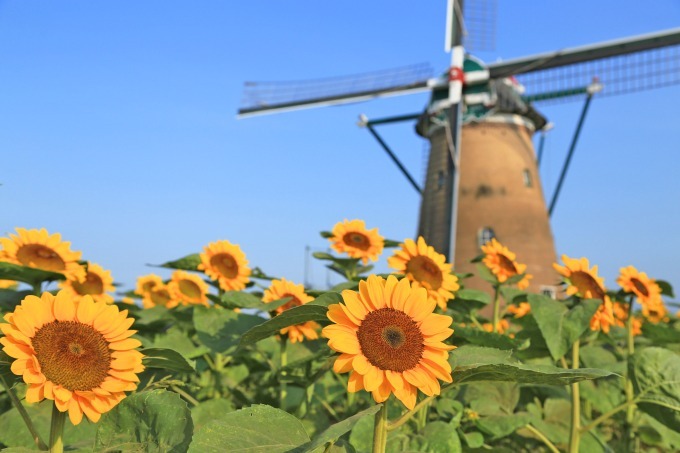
[187, 263]
[326, 234]
[498, 426]
[655, 374]
[327, 299]
[336, 430]
[389, 243]
[210, 410]
[485, 274]
[13, 431]
[30, 275]
[240, 299]
[473, 439]
[10, 298]
[475, 363]
[661, 333]
[291, 317]
[559, 325]
[220, 329]
[153, 421]
[256, 429]
[666, 288]
[487, 398]
[167, 359]
[177, 339]
[481, 298]
[442, 438]
[479, 337]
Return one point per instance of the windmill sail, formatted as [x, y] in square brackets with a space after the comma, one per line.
[273, 97]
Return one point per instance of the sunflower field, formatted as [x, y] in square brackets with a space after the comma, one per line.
[222, 357]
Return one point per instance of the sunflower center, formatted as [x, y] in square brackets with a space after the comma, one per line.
[357, 240]
[506, 264]
[160, 297]
[225, 264]
[40, 256]
[72, 354]
[391, 340]
[424, 269]
[148, 286]
[640, 286]
[92, 285]
[585, 283]
[190, 289]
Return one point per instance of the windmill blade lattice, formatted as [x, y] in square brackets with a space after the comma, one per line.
[269, 97]
[619, 75]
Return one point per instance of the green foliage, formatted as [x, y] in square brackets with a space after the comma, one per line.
[221, 330]
[480, 337]
[336, 430]
[166, 359]
[256, 429]
[186, 263]
[656, 378]
[474, 363]
[30, 275]
[559, 325]
[291, 317]
[152, 421]
[13, 431]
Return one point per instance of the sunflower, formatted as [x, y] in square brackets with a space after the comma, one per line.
[187, 289]
[520, 310]
[645, 289]
[97, 283]
[426, 268]
[584, 282]
[352, 237]
[655, 312]
[280, 289]
[38, 249]
[158, 295]
[77, 353]
[145, 284]
[390, 340]
[620, 311]
[226, 263]
[8, 284]
[502, 327]
[501, 262]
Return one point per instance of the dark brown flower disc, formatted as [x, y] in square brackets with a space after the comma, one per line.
[391, 340]
[72, 354]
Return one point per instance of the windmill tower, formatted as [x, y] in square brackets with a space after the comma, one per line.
[482, 178]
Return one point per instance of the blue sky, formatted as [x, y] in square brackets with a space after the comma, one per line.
[119, 129]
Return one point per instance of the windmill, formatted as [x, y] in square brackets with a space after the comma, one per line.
[482, 178]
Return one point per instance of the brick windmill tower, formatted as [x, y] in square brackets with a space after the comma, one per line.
[482, 177]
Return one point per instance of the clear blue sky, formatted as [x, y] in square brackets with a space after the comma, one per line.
[118, 129]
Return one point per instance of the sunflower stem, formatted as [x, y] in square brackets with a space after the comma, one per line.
[496, 308]
[543, 438]
[57, 430]
[407, 416]
[24, 415]
[283, 362]
[630, 392]
[422, 416]
[575, 435]
[380, 430]
[37, 288]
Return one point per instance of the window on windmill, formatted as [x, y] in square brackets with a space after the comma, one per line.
[526, 176]
[484, 235]
[549, 291]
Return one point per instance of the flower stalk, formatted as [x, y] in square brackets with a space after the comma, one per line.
[24, 415]
[57, 430]
[630, 393]
[496, 308]
[575, 435]
[283, 391]
[380, 430]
